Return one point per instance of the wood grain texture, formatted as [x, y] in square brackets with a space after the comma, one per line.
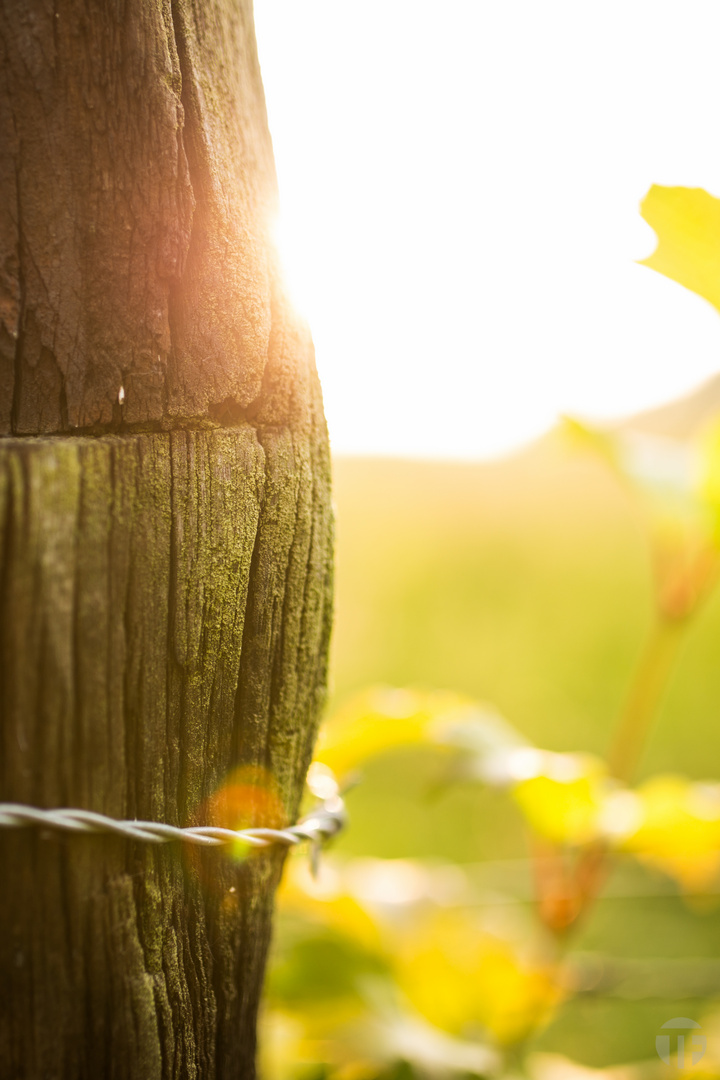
[165, 532]
[137, 196]
[165, 612]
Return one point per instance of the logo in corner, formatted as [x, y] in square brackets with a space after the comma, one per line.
[697, 1043]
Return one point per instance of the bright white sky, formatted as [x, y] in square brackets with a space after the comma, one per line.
[460, 183]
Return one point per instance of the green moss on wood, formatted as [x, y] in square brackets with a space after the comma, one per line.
[164, 607]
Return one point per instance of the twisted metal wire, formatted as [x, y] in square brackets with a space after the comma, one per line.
[325, 821]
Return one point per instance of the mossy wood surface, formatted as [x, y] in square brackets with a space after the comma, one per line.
[164, 619]
[165, 532]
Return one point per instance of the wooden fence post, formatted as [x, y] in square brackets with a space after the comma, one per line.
[165, 533]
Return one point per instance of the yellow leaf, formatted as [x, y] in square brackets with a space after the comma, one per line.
[565, 809]
[325, 901]
[383, 719]
[687, 222]
[460, 976]
[708, 473]
[578, 435]
[678, 485]
[679, 830]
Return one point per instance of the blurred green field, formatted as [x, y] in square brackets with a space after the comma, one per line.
[525, 583]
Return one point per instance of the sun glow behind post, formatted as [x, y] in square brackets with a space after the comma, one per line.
[297, 268]
[460, 190]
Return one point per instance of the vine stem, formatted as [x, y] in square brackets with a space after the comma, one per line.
[561, 907]
[649, 683]
[648, 686]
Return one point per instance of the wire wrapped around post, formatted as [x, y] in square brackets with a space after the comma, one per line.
[320, 825]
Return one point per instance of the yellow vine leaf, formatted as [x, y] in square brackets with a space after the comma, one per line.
[677, 485]
[679, 830]
[331, 908]
[687, 223]
[376, 721]
[565, 809]
[382, 719]
[460, 976]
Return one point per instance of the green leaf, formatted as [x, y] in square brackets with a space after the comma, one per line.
[687, 223]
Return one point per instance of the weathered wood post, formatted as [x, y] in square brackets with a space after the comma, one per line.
[165, 532]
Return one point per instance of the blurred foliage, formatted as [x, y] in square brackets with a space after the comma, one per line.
[503, 907]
